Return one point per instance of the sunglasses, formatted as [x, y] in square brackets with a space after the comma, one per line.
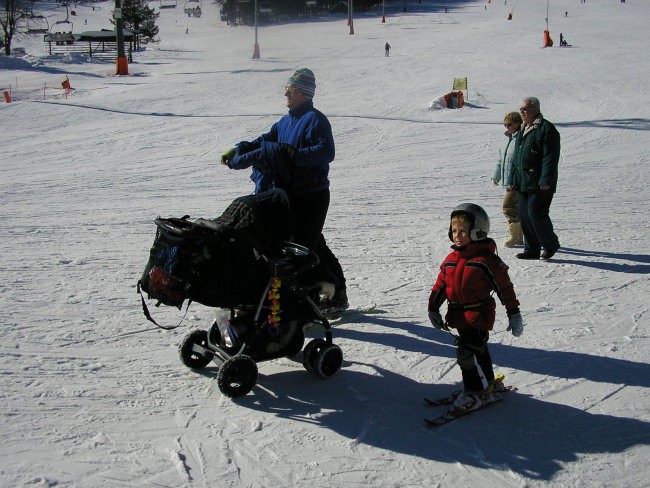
[290, 89]
[508, 125]
[524, 109]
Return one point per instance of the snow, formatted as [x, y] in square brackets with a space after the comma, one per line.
[93, 395]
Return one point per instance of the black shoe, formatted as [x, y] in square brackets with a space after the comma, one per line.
[528, 255]
[546, 255]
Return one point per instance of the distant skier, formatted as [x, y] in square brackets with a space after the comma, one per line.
[467, 278]
[387, 50]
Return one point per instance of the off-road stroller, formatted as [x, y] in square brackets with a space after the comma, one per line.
[241, 263]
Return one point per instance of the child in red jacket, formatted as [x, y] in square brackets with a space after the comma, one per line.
[467, 278]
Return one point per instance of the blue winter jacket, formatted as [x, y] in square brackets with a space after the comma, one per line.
[275, 165]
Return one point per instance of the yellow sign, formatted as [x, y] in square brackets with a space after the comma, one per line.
[460, 84]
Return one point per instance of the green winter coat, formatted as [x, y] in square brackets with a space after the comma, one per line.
[537, 156]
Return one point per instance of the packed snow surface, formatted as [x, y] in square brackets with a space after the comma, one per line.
[95, 396]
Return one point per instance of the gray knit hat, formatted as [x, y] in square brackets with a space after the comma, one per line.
[304, 80]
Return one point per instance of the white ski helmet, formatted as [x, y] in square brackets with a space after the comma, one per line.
[479, 221]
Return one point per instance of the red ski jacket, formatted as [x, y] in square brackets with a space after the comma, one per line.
[467, 278]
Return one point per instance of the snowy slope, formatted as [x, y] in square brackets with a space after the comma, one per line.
[93, 395]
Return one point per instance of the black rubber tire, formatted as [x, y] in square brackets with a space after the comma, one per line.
[311, 352]
[237, 376]
[190, 358]
[329, 360]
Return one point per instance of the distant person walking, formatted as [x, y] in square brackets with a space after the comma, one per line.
[387, 50]
[503, 174]
[534, 176]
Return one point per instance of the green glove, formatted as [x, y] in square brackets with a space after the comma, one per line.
[228, 155]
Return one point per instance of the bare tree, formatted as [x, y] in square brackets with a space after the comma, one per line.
[10, 13]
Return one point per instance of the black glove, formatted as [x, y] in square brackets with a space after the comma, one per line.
[436, 320]
[288, 153]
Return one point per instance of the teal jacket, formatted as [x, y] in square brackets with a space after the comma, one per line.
[537, 156]
[503, 171]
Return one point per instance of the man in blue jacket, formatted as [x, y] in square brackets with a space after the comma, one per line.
[534, 176]
[295, 156]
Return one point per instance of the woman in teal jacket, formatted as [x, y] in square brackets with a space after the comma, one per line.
[503, 173]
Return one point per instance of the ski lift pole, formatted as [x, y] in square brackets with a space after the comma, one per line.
[121, 63]
[256, 46]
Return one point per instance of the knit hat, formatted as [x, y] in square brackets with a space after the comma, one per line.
[304, 80]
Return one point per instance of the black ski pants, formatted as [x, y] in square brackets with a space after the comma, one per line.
[472, 351]
[309, 214]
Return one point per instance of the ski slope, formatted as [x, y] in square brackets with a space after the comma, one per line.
[95, 396]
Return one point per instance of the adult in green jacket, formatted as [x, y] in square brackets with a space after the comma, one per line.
[534, 176]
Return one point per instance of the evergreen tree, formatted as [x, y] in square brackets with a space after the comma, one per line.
[138, 16]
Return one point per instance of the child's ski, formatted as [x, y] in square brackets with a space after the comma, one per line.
[454, 413]
[451, 398]
[448, 400]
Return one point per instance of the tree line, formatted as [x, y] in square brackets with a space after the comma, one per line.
[240, 12]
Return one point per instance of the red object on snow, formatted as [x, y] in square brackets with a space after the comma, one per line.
[454, 99]
[548, 42]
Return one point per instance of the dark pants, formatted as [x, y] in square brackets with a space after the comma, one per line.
[472, 346]
[536, 223]
[310, 212]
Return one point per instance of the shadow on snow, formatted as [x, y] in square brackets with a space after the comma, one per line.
[375, 406]
[642, 265]
[535, 438]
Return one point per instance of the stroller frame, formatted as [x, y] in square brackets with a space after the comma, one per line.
[237, 363]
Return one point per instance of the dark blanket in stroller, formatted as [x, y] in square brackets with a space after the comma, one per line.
[218, 262]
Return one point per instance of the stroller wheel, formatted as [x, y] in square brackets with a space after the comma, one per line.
[329, 360]
[237, 376]
[310, 354]
[195, 357]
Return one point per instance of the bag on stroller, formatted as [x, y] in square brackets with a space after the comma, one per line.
[242, 263]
